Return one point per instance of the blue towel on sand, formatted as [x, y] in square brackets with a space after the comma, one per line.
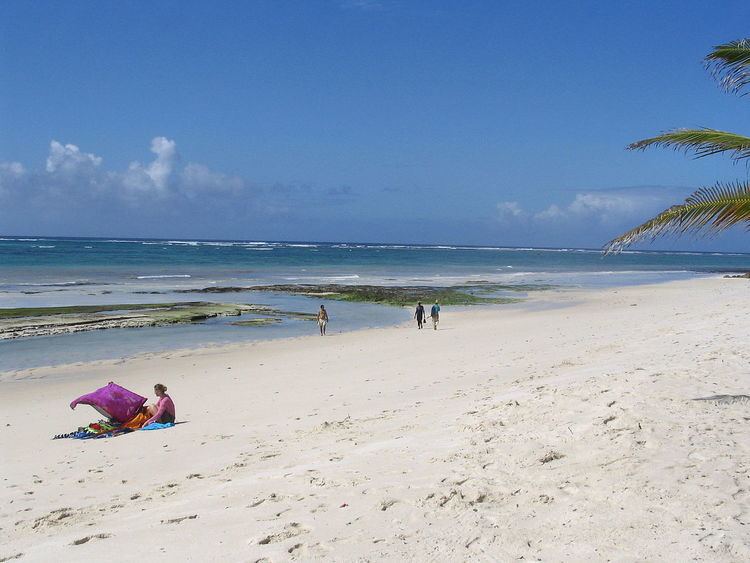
[158, 426]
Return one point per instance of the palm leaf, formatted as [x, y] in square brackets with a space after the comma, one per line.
[702, 142]
[710, 210]
[730, 64]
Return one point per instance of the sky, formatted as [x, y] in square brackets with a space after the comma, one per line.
[500, 123]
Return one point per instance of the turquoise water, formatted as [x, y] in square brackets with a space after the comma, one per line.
[45, 264]
[36, 271]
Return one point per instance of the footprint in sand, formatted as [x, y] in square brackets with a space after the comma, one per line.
[87, 539]
[273, 497]
[180, 519]
[291, 530]
[318, 481]
[306, 552]
[322, 507]
[298, 550]
[168, 486]
[386, 504]
[53, 518]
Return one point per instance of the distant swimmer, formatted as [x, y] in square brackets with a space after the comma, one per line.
[435, 314]
[322, 320]
[419, 314]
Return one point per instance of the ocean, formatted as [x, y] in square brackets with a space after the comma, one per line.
[37, 272]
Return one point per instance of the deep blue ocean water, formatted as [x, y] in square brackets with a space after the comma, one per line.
[36, 271]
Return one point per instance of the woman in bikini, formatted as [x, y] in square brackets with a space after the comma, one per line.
[322, 320]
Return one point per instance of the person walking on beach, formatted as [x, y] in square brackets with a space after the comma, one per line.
[435, 314]
[322, 320]
[419, 314]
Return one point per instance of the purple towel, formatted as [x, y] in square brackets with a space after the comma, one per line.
[112, 401]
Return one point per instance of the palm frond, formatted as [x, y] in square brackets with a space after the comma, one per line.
[708, 210]
[702, 142]
[730, 64]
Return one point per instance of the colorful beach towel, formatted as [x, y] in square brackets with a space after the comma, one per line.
[158, 426]
[136, 423]
[103, 429]
[98, 429]
[114, 402]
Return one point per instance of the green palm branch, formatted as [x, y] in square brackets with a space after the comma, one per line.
[713, 209]
[702, 142]
[708, 210]
[730, 64]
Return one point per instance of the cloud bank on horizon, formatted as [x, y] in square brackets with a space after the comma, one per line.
[75, 194]
[603, 213]
[69, 168]
[613, 207]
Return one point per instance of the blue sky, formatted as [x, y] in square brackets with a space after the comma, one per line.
[394, 121]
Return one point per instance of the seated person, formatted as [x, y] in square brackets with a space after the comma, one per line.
[163, 411]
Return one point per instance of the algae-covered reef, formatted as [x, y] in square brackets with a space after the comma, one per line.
[46, 321]
[197, 307]
[468, 294]
[262, 321]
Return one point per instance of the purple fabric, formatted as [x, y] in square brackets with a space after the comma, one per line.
[112, 401]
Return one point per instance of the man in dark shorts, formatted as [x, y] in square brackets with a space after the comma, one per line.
[419, 314]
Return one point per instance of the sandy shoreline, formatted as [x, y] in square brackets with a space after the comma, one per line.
[550, 299]
[556, 433]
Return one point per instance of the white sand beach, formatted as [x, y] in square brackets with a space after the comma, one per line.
[563, 432]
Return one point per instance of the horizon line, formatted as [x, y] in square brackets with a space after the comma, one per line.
[432, 245]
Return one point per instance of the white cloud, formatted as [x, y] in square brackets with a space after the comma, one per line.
[509, 210]
[10, 173]
[198, 178]
[607, 207]
[154, 176]
[73, 193]
[160, 169]
[14, 169]
[603, 207]
[69, 159]
[552, 212]
[73, 176]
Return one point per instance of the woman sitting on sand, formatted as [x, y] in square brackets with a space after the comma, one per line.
[163, 411]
